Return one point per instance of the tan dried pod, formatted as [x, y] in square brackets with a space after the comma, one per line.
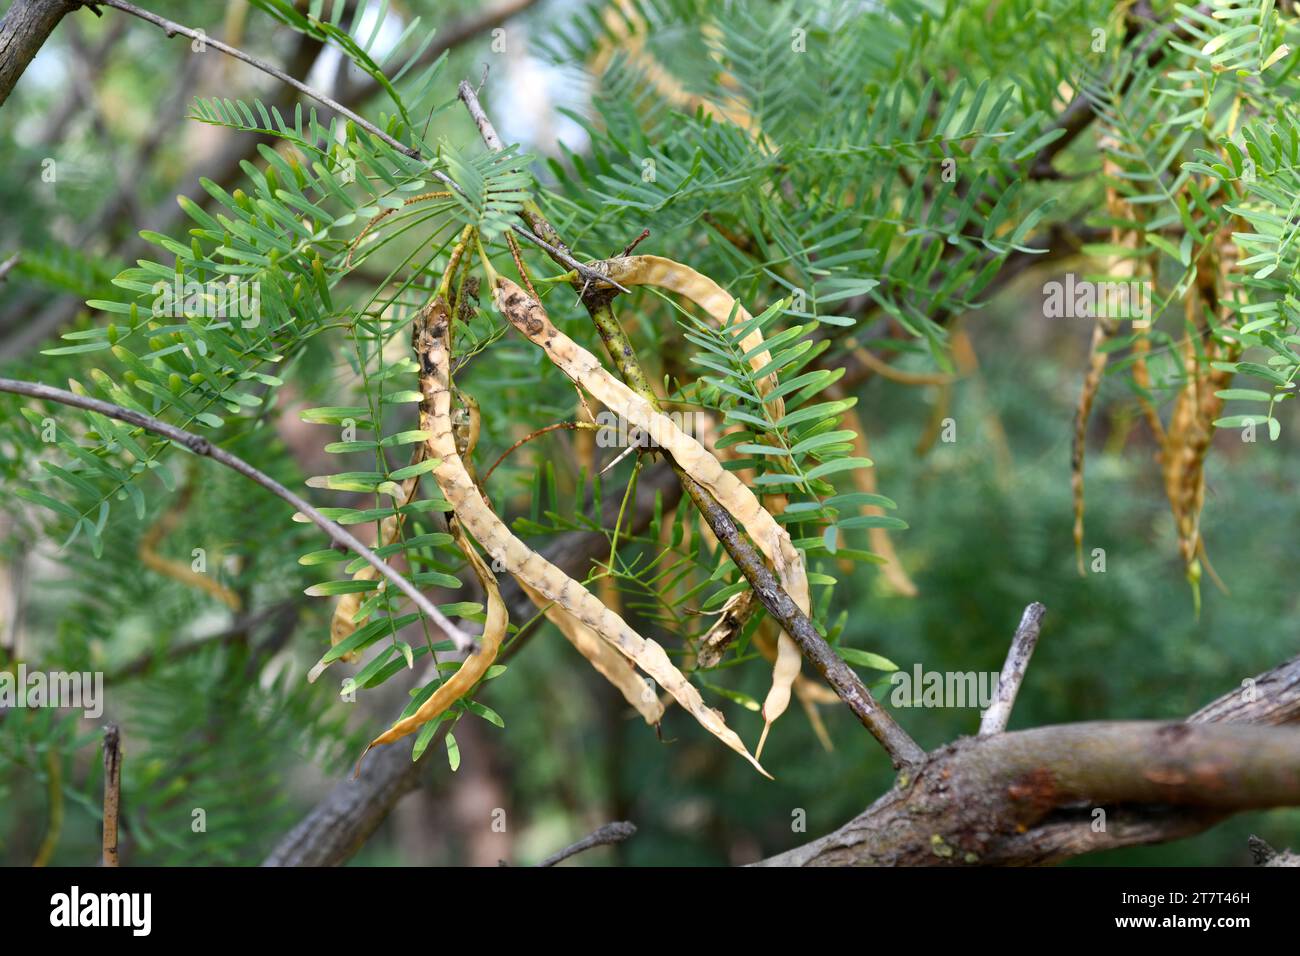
[661, 273]
[877, 538]
[723, 308]
[625, 25]
[607, 661]
[1104, 330]
[527, 315]
[180, 571]
[527, 566]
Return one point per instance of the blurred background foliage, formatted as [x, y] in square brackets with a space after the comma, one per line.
[232, 727]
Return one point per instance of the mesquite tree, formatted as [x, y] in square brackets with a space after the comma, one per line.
[382, 400]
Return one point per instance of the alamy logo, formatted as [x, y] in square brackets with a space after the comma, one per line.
[1082, 299]
[230, 300]
[55, 689]
[615, 432]
[955, 689]
[134, 910]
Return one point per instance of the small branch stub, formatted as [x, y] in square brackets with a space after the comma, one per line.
[995, 719]
[1265, 855]
[112, 791]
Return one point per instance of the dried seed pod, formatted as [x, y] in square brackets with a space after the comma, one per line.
[808, 692]
[611, 665]
[731, 621]
[1191, 424]
[784, 674]
[473, 668]
[521, 561]
[721, 306]
[179, 570]
[527, 315]
[626, 28]
[877, 538]
[1102, 332]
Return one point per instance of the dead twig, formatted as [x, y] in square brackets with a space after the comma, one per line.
[994, 720]
[112, 791]
[604, 836]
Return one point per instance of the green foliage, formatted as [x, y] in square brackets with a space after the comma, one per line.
[839, 168]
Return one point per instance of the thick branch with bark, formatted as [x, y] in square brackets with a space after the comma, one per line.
[1033, 796]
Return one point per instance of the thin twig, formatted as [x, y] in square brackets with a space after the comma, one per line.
[469, 96]
[563, 256]
[627, 250]
[539, 232]
[201, 446]
[7, 266]
[604, 836]
[537, 434]
[994, 720]
[112, 791]
[519, 264]
[172, 28]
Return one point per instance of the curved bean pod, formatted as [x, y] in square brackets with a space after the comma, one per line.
[585, 370]
[525, 564]
[473, 667]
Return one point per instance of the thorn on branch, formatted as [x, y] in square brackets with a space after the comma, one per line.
[627, 250]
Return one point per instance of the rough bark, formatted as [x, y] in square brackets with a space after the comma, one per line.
[1031, 797]
[23, 31]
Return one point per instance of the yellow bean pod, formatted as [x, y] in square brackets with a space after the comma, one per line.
[526, 565]
[583, 368]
